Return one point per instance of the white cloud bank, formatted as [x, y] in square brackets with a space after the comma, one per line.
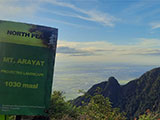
[146, 51]
[143, 47]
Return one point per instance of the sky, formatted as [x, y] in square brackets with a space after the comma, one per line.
[97, 38]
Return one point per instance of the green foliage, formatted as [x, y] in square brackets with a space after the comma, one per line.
[99, 108]
[61, 109]
[12, 117]
[149, 116]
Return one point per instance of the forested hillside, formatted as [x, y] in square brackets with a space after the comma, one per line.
[133, 98]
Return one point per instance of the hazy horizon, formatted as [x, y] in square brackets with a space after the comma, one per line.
[70, 78]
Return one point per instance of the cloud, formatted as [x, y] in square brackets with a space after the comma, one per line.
[20, 9]
[155, 25]
[148, 52]
[17, 8]
[88, 15]
[149, 43]
[66, 23]
[73, 51]
[149, 47]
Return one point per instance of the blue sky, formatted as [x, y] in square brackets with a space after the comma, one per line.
[95, 36]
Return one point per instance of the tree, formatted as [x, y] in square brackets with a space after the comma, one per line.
[149, 116]
[60, 108]
[99, 108]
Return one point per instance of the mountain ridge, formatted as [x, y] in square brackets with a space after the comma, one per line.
[134, 98]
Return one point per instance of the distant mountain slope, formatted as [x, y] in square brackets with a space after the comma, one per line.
[134, 98]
